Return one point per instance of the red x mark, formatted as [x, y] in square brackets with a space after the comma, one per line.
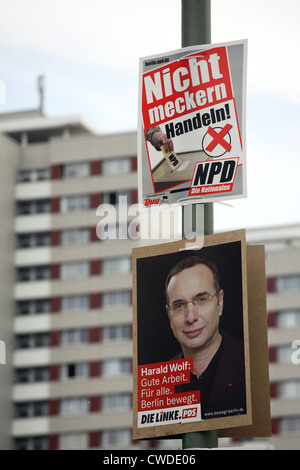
[218, 138]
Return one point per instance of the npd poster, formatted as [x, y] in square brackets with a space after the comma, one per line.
[191, 138]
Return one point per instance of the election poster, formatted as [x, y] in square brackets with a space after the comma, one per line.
[191, 124]
[191, 330]
[192, 348]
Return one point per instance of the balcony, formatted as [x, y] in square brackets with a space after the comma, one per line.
[33, 357]
[32, 290]
[31, 426]
[28, 223]
[32, 323]
[32, 256]
[36, 190]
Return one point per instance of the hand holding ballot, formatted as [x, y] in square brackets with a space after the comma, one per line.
[157, 138]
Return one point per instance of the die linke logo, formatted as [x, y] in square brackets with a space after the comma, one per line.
[216, 176]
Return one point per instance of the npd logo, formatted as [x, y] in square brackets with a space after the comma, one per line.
[215, 176]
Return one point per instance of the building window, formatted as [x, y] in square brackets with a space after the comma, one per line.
[40, 374]
[73, 303]
[40, 206]
[116, 166]
[33, 240]
[23, 376]
[116, 333]
[115, 367]
[32, 409]
[23, 308]
[33, 307]
[23, 342]
[76, 170]
[289, 389]
[113, 198]
[116, 265]
[30, 176]
[43, 174]
[74, 270]
[42, 306]
[74, 337]
[38, 340]
[24, 208]
[288, 283]
[75, 203]
[42, 239]
[24, 241]
[24, 274]
[288, 318]
[71, 371]
[75, 236]
[116, 437]
[28, 375]
[116, 402]
[22, 410]
[32, 443]
[284, 354]
[24, 176]
[72, 406]
[289, 425]
[33, 273]
[116, 299]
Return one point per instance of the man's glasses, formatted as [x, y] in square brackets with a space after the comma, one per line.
[199, 301]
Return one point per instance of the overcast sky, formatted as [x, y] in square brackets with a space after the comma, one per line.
[89, 52]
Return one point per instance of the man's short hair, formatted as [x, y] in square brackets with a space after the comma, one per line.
[190, 262]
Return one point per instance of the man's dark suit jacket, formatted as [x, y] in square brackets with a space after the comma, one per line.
[222, 384]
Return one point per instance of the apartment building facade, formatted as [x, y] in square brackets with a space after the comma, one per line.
[66, 303]
[282, 245]
[66, 381]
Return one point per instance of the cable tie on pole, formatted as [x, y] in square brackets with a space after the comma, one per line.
[193, 244]
[186, 57]
[190, 248]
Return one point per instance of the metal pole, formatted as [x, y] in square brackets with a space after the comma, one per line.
[196, 29]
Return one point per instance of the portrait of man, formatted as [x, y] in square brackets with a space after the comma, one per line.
[194, 306]
[190, 306]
